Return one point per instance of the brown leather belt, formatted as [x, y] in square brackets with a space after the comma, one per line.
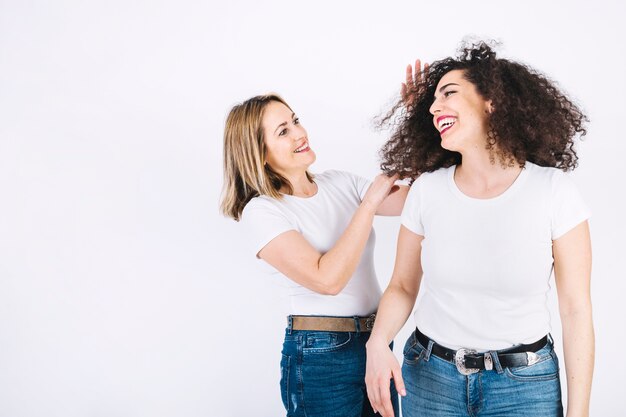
[332, 324]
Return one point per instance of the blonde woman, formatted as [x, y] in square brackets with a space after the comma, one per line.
[315, 231]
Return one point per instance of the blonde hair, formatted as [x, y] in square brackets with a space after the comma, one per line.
[246, 175]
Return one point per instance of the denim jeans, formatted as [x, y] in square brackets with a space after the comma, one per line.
[323, 374]
[436, 388]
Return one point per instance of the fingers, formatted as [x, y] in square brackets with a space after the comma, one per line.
[389, 183]
[371, 396]
[380, 397]
[403, 91]
[379, 190]
[409, 76]
[391, 187]
[388, 179]
[382, 367]
[385, 405]
[413, 79]
[418, 69]
[399, 382]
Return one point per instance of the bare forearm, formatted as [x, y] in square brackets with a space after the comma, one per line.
[328, 273]
[393, 311]
[579, 350]
[572, 271]
[337, 266]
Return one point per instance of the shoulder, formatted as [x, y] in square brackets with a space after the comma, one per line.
[429, 184]
[542, 172]
[434, 177]
[335, 175]
[557, 186]
[341, 179]
[548, 176]
[342, 183]
[265, 214]
[261, 203]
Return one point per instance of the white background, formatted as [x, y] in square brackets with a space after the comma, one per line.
[123, 292]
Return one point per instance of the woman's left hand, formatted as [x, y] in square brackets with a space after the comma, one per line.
[413, 79]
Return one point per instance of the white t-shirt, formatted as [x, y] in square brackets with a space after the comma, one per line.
[487, 262]
[321, 219]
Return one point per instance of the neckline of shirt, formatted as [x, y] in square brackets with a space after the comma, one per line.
[511, 190]
[317, 182]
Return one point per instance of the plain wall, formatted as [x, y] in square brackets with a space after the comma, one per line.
[123, 292]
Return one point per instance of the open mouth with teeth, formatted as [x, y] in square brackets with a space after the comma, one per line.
[445, 123]
[303, 148]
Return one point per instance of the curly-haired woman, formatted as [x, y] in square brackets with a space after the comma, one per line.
[489, 216]
[315, 232]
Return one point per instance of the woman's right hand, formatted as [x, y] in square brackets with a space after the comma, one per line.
[382, 366]
[380, 188]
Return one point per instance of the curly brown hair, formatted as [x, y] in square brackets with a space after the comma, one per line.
[532, 119]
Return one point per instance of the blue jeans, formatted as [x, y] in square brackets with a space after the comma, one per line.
[323, 374]
[436, 388]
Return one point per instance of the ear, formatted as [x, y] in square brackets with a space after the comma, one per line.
[490, 107]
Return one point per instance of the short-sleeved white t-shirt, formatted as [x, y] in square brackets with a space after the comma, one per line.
[321, 219]
[487, 262]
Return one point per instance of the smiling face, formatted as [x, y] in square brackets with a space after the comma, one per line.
[460, 114]
[288, 152]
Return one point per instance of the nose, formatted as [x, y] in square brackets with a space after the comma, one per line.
[298, 132]
[435, 107]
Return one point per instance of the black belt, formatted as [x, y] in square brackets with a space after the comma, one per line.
[469, 361]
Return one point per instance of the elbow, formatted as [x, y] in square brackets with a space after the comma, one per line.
[329, 282]
[574, 304]
[576, 311]
[333, 289]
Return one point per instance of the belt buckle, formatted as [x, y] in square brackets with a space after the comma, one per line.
[532, 358]
[369, 323]
[459, 361]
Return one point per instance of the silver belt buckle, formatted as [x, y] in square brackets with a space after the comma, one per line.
[459, 361]
[532, 358]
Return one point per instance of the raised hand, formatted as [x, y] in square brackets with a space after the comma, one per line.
[413, 79]
[380, 188]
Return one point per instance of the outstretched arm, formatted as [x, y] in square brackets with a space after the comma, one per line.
[328, 273]
[394, 203]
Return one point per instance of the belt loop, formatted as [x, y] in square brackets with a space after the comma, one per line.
[496, 361]
[429, 350]
[357, 324]
[289, 323]
[550, 339]
[488, 360]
